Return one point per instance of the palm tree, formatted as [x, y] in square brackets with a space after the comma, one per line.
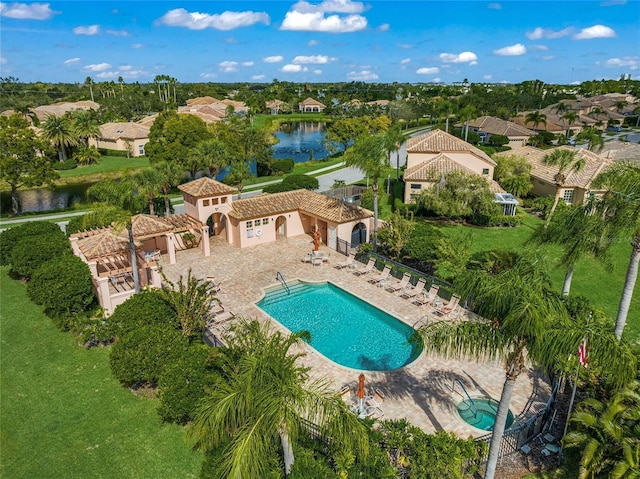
[620, 104]
[266, 399]
[561, 108]
[87, 155]
[238, 173]
[593, 137]
[536, 118]
[121, 82]
[446, 109]
[607, 435]
[85, 125]
[565, 160]
[58, 131]
[527, 322]
[211, 154]
[469, 112]
[170, 174]
[570, 117]
[148, 183]
[89, 81]
[621, 201]
[368, 154]
[393, 141]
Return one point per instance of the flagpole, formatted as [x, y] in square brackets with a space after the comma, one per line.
[573, 396]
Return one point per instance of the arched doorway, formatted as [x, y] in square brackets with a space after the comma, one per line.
[281, 226]
[217, 223]
[358, 234]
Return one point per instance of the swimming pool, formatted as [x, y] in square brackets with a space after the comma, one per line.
[345, 329]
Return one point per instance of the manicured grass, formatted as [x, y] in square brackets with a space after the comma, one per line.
[64, 416]
[590, 278]
[107, 164]
[298, 169]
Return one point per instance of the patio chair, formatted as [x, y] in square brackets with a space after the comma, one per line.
[347, 262]
[345, 394]
[428, 296]
[392, 288]
[223, 317]
[415, 291]
[376, 400]
[367, 269]
[380, 277]
[451, 306]
[216, 307]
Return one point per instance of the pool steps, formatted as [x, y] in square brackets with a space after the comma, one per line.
[295, 288]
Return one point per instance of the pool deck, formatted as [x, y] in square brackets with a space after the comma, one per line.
[420, 392]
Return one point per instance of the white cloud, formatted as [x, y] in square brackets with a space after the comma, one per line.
[89, 30]
[137, 45]
[596, 31]
[273, 59]
[548, 57]
[228, 66]
[362, 75]
[303, 16]
[98, 67]
[23, 11]
[3, 60]
[405, 46]
[511, 51]
[247, 64]
[428, 71]
[317, 71]
[384, 27]
[291, 68]
[539, 32]
[630, 62]
[464, 57]
[118, 33]
[487, 77]
[315, 59]
[208, 75]
[404, 61]
[436, 80]
[230, 40]
[126, 68]
[258, 77]
[543, 48]
[495, 6]
[179, 17]
[71, 61]
[313, 43]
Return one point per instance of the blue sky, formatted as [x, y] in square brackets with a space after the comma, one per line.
[328, 41]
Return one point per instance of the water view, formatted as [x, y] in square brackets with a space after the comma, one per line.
[298, 139]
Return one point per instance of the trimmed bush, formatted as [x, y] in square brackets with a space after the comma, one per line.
[283, 166]
[62, 285]
[69, 164]
[145, 308]
[31, 252]
[9, 238]
[294, 182]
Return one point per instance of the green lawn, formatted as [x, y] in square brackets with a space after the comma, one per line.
[107, 164]
[64, 416]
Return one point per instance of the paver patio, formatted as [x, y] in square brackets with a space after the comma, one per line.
[420, 392]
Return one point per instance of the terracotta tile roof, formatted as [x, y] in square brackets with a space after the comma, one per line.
[276, 104]
[437, 141]
[432, 171]
[306, 201]
[621, 150]
[312, 101]
[203, 100]
[147, 121]
[146, 226]
[498, 126]
[204, 187]
[129, 130]
[100, 243]
[594, 164]
[551, 125]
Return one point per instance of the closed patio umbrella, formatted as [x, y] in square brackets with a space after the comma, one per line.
[361, 392]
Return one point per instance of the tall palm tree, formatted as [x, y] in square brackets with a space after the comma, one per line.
[621, 201]
[393, 141]
[89, 81]
[570, 117]
[446, 109]
[368, 154]
[513, 293]
[59, 132]
[171, 174]
[469, 112]
[267, 398]
[85, 125]
[211, 154]
[536, 118]
[238, 173]
[148, 183]
[595, 142]
[620, 104]
[607, 435]
[566, 160]
[561, 108]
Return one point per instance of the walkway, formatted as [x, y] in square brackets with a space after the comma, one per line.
[419, 392]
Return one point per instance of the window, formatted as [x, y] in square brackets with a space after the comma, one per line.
[568, 197]
[416, 186]
[265, 221]
[249, 224]
[485, 171]
[206, 202]
[214, 201]
[223, 199]
[141, 150]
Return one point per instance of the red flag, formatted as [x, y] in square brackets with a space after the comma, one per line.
[582, 353]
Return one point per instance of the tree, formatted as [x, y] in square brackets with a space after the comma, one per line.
[293, 182]
[87, 155]
[23, 158]
[593, 137]
[172, 136]
[621, 205]
[566, 160]
[620, 104]
[368, 154]
[466, 114]
[561, 108]
[266, 398]
[238, 173]
[570, 117]
[148, 181]
[607, 435]
[85, 125]
[514, 174]
[32, 251]
[393, 141]
[211, 154]
[89, 81]
[396, 233]
[10, 237]
[58, 130]
[519, 320]
[170, 175]
[535, 118]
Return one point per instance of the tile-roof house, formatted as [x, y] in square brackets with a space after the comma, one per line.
[577, 184]
[517, 134]
[122, 136]
[311, 105]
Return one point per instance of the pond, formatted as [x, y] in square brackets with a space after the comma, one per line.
[44, 199]
[300, 140]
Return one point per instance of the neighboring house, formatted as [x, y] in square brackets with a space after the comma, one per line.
[276, 106]
[553, 125]
[381, 103]
[431, 156]
[58, 109]
[264, 218]
[311, 106]
[621, 150]
[576, 188]
[129, 137]
[518, 135]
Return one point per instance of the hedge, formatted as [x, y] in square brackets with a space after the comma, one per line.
[11, 237]
[145, 308]
[31, 252]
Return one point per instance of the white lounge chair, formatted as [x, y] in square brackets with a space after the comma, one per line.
[367, 269]
[347, 262]
[382, 276]
[451, 306]
[428, 297]
[416, 290]
[392, 288]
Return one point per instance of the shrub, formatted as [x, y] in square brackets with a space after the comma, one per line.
[146, 308]
[120, 153]
[69, 164]
[62, 285]
[366, 200]
[9, 238]
[91, 220]
[142, 354]
[283, 166]
[498, 140]
[31, 252]
[294, 182]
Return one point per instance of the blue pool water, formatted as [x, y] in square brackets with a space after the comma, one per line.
[482, 414]
[343, 328]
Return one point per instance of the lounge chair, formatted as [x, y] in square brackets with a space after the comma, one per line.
[415, 291]
[380, 277]
[428, 297]
[392, 288]
[451, 305]
[223, 317]
[216, 307]
[347, 262]
[345, 394]
[367, 269]
[376, 400]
